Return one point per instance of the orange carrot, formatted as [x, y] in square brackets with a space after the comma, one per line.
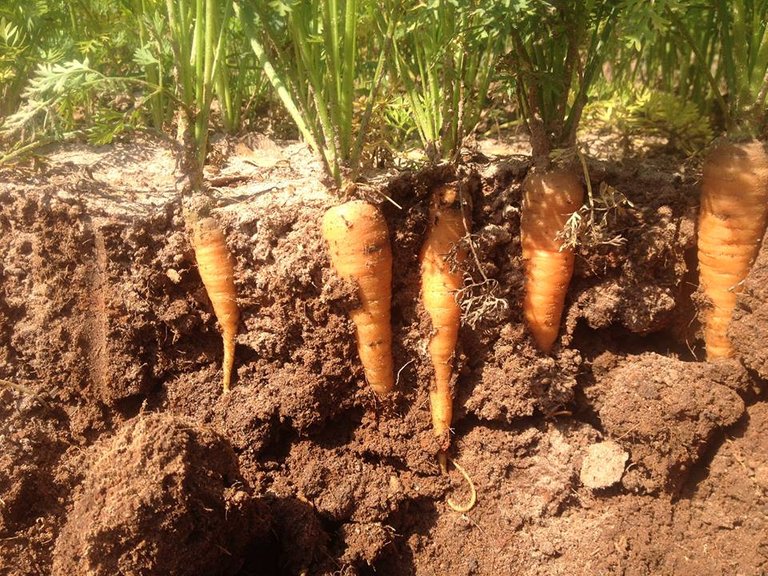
[214, 262]
[439, 284]
[358, 242]
[549, 199]
[732, 221]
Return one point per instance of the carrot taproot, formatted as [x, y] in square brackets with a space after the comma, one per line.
[732, 221]
[549, 199]
[440, 281]
[214, 262]
[358, 242]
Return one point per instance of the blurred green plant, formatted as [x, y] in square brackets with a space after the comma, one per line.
[53, 31]
[670, 117]
[14, 56]
[650, 113]
[172, 62]
[59, 94]
[711, 53]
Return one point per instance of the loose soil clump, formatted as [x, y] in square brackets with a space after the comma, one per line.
[173, 504]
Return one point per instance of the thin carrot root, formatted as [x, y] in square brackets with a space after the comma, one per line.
[358, 242]
[216, 267]
[439, 285]
[549, 200]
[732, 221]
[466, 507]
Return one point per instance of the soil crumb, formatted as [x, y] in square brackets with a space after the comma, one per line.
[603, 465]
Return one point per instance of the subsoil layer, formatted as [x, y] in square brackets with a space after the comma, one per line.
[621, 453]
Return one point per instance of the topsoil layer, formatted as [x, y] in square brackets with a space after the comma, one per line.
[621, 453]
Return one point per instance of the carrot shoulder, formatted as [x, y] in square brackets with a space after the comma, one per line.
[549, 199]
[360, 252]
[439, 283]
[216, 267]
[732, 221]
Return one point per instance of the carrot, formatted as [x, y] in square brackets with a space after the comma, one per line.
[549, 199]
[214, 262]
[732, 221]
[439, 284]
[358, 242]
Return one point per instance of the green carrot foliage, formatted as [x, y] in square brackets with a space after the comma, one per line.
[445, 56]
[558, 48]
[312, 54]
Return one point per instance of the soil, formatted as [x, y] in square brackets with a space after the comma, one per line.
[620, 453]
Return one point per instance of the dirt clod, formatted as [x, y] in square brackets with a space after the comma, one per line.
[666, 412]
[749, 330]
[175, 505]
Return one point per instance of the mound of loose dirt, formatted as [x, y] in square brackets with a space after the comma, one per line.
[33, 441]
[724, 511]
[162, 497]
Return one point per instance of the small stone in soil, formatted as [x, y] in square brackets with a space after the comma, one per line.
[603, 465]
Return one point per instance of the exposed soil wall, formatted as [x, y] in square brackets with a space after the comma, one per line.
[119, 453]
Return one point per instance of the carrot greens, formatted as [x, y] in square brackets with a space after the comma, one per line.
[311, 53]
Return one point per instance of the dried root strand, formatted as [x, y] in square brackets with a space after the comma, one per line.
[469, 504]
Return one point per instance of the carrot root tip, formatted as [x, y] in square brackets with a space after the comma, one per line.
[442, 460]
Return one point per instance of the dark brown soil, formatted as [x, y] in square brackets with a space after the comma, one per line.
[176, 481]
[120, 454]
[750, 320]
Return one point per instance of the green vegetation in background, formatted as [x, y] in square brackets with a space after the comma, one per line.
[643, 113]
[711, 53]
[47, 86]
[322, 57]
[357, 74]
[649, 53]
[173, 58]
[652, 83]
[54, 31]
[445, 57]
